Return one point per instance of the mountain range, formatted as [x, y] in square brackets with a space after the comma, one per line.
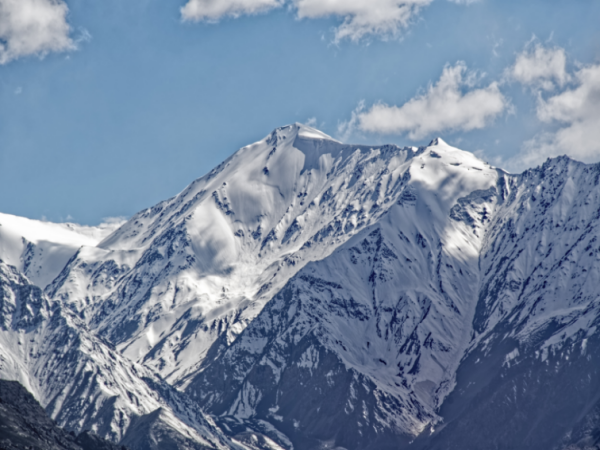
[311, 294]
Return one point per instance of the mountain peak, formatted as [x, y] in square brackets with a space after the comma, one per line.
[437, 142]
[304, 131]
[300, 263]
[301, 130]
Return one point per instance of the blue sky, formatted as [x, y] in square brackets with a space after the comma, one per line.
[108, 107]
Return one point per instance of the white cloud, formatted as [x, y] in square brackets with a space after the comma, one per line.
[579, 103]
[311, 122]
[540, 67]
[33, 27]
[112, 222]
[213, 10]
[359, 17]
[443, 107]
[464, 2]
[576, 111]
[363, 17]
[347, 129]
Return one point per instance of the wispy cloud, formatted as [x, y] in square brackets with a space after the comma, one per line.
[347, 128]
[33, 27]
[311, 122]
[452, 103]
[112, 222]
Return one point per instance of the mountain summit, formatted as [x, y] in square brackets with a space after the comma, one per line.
[312, 294]
[196, 269]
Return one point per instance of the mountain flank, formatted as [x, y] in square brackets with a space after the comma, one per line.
[309, 294]
[25, 425]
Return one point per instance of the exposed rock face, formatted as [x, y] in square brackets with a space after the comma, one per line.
[530, 379]
[315, 295]
[24, 424]
[405, 333]
[82, 382]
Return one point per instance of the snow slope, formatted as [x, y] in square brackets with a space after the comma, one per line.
[41, 249]
[531, 377]
[331, 295]
[374, 332]
[464, 322]
[81, 381]
[196, 269]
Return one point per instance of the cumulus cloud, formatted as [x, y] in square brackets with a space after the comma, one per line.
[363, 17]
[33, 27]
[213, 10]
[359, 17]
[576, 114]
[541, 67]
[453, 103]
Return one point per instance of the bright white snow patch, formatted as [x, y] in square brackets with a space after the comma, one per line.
[312, 133]
[510, 357]
[309, 359]
[41, 249]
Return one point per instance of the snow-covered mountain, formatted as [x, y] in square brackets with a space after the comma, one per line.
[40, 250]
[374, 333]
[196, 269]
[83, 383]
[26, 425]
[442, 296]
[531, 376]
[331, 295]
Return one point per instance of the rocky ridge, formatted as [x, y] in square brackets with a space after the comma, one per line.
[313, 294]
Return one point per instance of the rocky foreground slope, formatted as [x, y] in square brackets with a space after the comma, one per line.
[326, 295]
[84, 384]
[25, 424]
